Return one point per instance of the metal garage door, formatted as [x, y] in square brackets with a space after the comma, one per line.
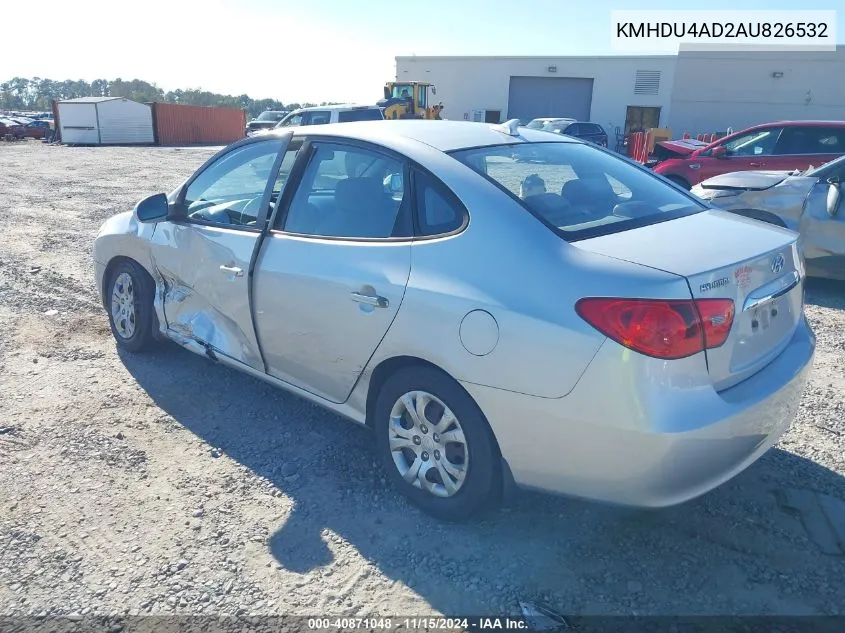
[533, 97]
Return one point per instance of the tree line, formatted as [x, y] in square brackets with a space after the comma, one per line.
[21, 93]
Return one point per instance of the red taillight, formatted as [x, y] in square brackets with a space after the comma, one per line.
[717, 315]
[661, 328]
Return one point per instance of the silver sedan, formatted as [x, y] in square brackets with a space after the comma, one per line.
[572, 323]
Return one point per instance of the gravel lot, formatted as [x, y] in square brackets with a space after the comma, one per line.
[165, 484]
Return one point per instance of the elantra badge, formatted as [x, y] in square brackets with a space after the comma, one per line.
[712, 285]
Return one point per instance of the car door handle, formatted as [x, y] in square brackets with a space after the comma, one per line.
[232, 270]
[370, 300]
[756, 164]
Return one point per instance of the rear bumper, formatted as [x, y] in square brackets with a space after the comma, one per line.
[632, 433]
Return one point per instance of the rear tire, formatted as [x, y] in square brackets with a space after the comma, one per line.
[452, 477]
[129, 303]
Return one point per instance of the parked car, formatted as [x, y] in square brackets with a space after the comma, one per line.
[782, 146]
[265, 121]
[588, 338]
[586, 131]
[809, 202]
[323, 115]
[539, 124]
[9, 126]
[36, 129]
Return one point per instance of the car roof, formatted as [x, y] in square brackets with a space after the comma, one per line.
[339, 106]
[790, 123]
[764, 126]
[442, 135]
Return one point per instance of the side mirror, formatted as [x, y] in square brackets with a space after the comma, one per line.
[834, 198]
[153, 209]
[719, 151]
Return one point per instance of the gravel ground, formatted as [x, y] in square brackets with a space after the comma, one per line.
[165, 484]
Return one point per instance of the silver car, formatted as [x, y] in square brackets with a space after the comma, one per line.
[808, 202]
[604, 335]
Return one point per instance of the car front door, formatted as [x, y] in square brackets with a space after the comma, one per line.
[317, 117]
[332, 273]
[750, 151]
[203, 259]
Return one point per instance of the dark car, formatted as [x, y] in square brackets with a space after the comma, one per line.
[36, 129]
[584, 130]
[265, 121]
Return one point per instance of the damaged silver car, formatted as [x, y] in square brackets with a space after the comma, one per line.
[573, 324]
[808, 202]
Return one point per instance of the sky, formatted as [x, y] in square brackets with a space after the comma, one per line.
[311, 50]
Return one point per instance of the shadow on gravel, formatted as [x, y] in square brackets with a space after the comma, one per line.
[826, 293]
[735, 550]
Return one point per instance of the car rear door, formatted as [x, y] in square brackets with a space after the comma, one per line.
[800, 147]
[332, 273]
[204, 259]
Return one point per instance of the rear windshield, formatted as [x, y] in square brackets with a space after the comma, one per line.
[369, 114]
[577, 189]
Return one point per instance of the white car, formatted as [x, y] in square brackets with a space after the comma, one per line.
[321, 115]
[539, 124]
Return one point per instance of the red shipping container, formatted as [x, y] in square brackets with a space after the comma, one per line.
[176, 124]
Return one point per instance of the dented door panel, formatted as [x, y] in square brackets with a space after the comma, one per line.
[204, 286]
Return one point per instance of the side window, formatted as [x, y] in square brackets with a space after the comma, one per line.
[285, 169]
[317, 118]
[831, 140]
[438, 211]
[229, 191]
[349, 192]
[292, 120]
[574, 129]
[758, 143]
[811, 140]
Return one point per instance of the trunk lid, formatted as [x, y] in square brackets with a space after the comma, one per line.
[746, 180]
[726, 256]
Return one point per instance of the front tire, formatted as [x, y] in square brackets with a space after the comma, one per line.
[436, 445]
[129, 302]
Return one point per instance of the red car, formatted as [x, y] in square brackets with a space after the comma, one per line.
[781, 146]
[8, 126]
[36, 129]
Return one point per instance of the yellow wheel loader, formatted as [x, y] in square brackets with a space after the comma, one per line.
[409, 100]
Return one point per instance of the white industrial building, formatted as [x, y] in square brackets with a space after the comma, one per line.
[104, 121]
[694, 91]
